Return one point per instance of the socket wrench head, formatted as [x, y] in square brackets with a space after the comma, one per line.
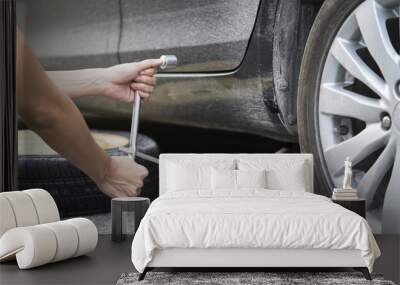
[168, 61]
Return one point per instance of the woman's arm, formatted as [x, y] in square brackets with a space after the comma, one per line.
[51, 114]
[116, 82]
[77, 83]
[55, 117]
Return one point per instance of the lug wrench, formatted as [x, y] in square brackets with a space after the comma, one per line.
[168, 61]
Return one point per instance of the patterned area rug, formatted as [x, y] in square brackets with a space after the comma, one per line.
[243, 278]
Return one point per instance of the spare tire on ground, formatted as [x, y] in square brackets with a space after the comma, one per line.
[74, 192]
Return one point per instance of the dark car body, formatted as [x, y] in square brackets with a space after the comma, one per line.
[238, 60]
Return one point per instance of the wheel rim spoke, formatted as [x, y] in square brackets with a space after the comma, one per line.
[373, 177]
[389, 3]
[371, 19]
[335, 100]
[345, 53]
[357, 148]
[391, 206]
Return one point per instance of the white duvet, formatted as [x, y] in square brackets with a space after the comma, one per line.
[250, 219]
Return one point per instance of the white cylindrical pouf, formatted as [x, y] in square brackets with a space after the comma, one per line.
[34, 246]
[67, 239]
[7, 218]
[31, 232]
[45, 205]
[23, 208]
[87, 235]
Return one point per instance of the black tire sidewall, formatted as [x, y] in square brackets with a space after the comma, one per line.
[30, 166]
[74, 192]
[329, 20]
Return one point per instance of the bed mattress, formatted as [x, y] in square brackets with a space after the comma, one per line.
[251, 219]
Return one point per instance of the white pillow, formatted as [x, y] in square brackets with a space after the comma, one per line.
[187, 174]
[223, 179]
[251, 178]
[181, 177]
[282, 174]
[293, 178]
[227, 179]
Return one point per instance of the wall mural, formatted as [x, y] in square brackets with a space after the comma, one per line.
[233, 76]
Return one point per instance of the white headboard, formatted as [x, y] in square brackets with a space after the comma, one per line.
[164, 158]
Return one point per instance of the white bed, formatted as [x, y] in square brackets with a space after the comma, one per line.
[193, 224]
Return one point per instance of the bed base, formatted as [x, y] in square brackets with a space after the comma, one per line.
[143, 274]
[256, 258]
[363, 270]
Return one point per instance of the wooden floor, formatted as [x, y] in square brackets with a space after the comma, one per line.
[110, 260]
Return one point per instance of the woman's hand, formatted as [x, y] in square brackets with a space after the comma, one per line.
[121, 80]
[124, 177]
[117, 82]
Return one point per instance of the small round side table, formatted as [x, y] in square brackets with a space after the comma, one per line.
[126, 214]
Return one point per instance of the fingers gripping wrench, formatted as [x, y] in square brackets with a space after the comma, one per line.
[168, 61]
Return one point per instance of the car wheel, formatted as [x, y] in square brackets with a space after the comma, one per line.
[74, 192]
[349, 103]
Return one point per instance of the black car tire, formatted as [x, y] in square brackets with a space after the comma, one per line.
[74, 192]
[327, 23]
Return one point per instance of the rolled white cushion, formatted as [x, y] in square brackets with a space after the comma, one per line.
[33, 246]
[7, 218]
[87, 235]
[23, 208]
[67, 240]
[40, 244]
[45, 205]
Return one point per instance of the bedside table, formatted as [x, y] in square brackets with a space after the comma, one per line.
[357, 206]
[126, 214]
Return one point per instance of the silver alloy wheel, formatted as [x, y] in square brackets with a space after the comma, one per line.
[359, 108]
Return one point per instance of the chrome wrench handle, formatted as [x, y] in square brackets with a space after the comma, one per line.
[131, 149]
[135, 124]
[168, 61]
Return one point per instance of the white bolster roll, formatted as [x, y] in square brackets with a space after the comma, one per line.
[31, 230]
[23, 208]
[45, 205]
[37, 245]
[87, 234]
[33, 246]
[67, 240]
[7, 218]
